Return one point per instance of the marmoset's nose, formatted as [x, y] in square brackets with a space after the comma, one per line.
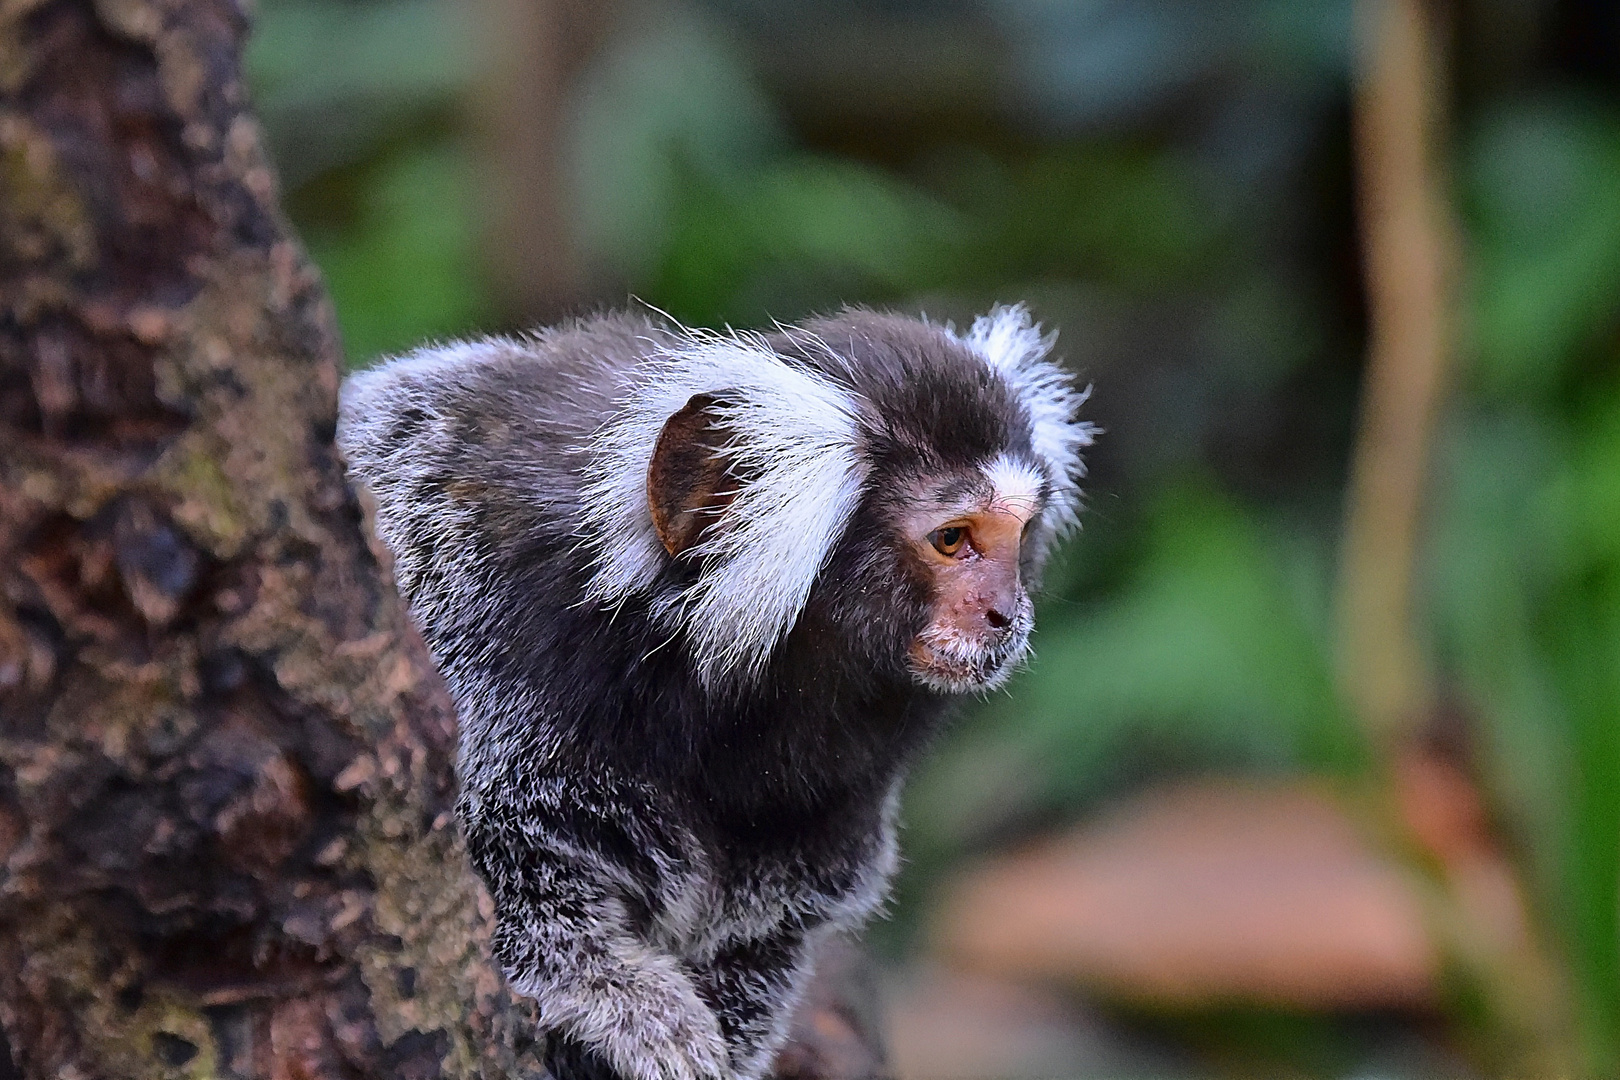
[996, 619]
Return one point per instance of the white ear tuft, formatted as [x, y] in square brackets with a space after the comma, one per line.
[793, 435]
[1011, 342]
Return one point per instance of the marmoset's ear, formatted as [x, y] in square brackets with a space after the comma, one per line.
[688, 484]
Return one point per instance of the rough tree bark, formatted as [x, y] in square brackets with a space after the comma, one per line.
[226, 765]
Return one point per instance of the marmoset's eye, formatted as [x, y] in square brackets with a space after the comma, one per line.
[949, 540]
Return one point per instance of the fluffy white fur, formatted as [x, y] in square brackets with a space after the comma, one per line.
[793, 433]
[1012, 343]
[1014, 481]
[371, 402]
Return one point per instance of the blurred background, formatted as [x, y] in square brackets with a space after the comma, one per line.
[1317, 770]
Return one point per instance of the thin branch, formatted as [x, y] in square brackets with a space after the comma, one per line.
[1520, 1019]
[1408, 249]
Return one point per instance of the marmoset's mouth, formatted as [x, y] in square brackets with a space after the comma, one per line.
[955, 664]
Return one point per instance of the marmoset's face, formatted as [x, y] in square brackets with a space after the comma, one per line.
[967, 531]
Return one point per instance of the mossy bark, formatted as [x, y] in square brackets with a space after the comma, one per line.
[226, 765]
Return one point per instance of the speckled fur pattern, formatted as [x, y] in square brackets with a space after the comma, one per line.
[669, 826]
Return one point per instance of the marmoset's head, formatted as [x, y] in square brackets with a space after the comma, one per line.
[888, 482]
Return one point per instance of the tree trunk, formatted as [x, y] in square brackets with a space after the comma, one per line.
[226, 766]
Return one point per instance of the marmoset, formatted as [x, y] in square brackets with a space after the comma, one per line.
[700, 599]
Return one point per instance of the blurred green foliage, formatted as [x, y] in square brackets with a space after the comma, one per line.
[1524, 556]
[363, 106]
[1195, 243]
[405, 264]
[1211, 651]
